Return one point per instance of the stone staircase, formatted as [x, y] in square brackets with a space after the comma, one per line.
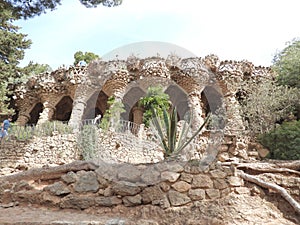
[10, 153]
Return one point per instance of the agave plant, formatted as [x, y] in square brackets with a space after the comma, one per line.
[165, 129]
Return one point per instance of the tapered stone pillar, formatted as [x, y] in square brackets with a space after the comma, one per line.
[195, 101]
[137, 115]
[77, 113]
[23, 118]
[47, 113]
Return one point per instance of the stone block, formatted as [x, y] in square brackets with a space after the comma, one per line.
[49, 199]
[164, 186]
[213, 193]
[186, 177]
[225, 192]
[242, 190]
[218, 173]
[125, 188]
[192, 169]
[181, 186]
[196, 194]
[77, 202]
[69, 178]
[170, 176]
[163, 203]
[87, 182]
[108, 201]
[150, 176]
[202, 181]
[235, 181]
[220, 184]
[108, 192]
[151, 194]
[129, 173]
[58, 188]
[177, 198]
[132, 200]
[107, 171]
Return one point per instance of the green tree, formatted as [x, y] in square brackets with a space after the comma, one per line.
[86, 57]
[267, 103]
[12, 46]
[112, 114]
[35, 69]
[283, 141]
[287, 65]
[155, 99]
[28, 9]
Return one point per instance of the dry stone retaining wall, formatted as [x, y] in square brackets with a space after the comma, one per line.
[109, 146]
[37, 152]
[166, 184]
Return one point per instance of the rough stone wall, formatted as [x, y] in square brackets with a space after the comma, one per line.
[167, 184]
[38, 152]
[107, 146]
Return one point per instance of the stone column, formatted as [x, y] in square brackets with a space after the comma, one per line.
[137, 115]
[47, 113]
[23, 118]
[77, 113]
[82, 95]
[234, 119]
[195, 102]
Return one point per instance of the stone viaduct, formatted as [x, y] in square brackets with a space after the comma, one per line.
[77, 93]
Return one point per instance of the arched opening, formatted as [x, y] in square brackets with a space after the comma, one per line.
[179, 99]
[63, 109]
[35, 113]
[130, 101]
[97, 104]
[212, 102]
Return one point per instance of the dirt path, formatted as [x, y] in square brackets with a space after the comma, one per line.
[234, 210]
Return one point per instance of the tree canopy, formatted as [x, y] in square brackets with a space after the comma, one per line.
[28, 9]
[266, 104]
[12, 46]
[287, 65]
[86, 57]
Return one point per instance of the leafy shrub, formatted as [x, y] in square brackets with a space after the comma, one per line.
[47, 128]
[87, 141]
[155, 99]
[112, 115]
[283, 141]
[21, 133]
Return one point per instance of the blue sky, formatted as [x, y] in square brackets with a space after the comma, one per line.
[232, 29]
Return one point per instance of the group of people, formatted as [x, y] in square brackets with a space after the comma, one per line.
[4, 128]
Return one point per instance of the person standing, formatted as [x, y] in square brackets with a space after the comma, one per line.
[4, 128]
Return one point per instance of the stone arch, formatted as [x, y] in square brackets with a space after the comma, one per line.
[211, 100]
[130, 101]
[97, 104]
[63, 109]
[179, 99]
[35, 113]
